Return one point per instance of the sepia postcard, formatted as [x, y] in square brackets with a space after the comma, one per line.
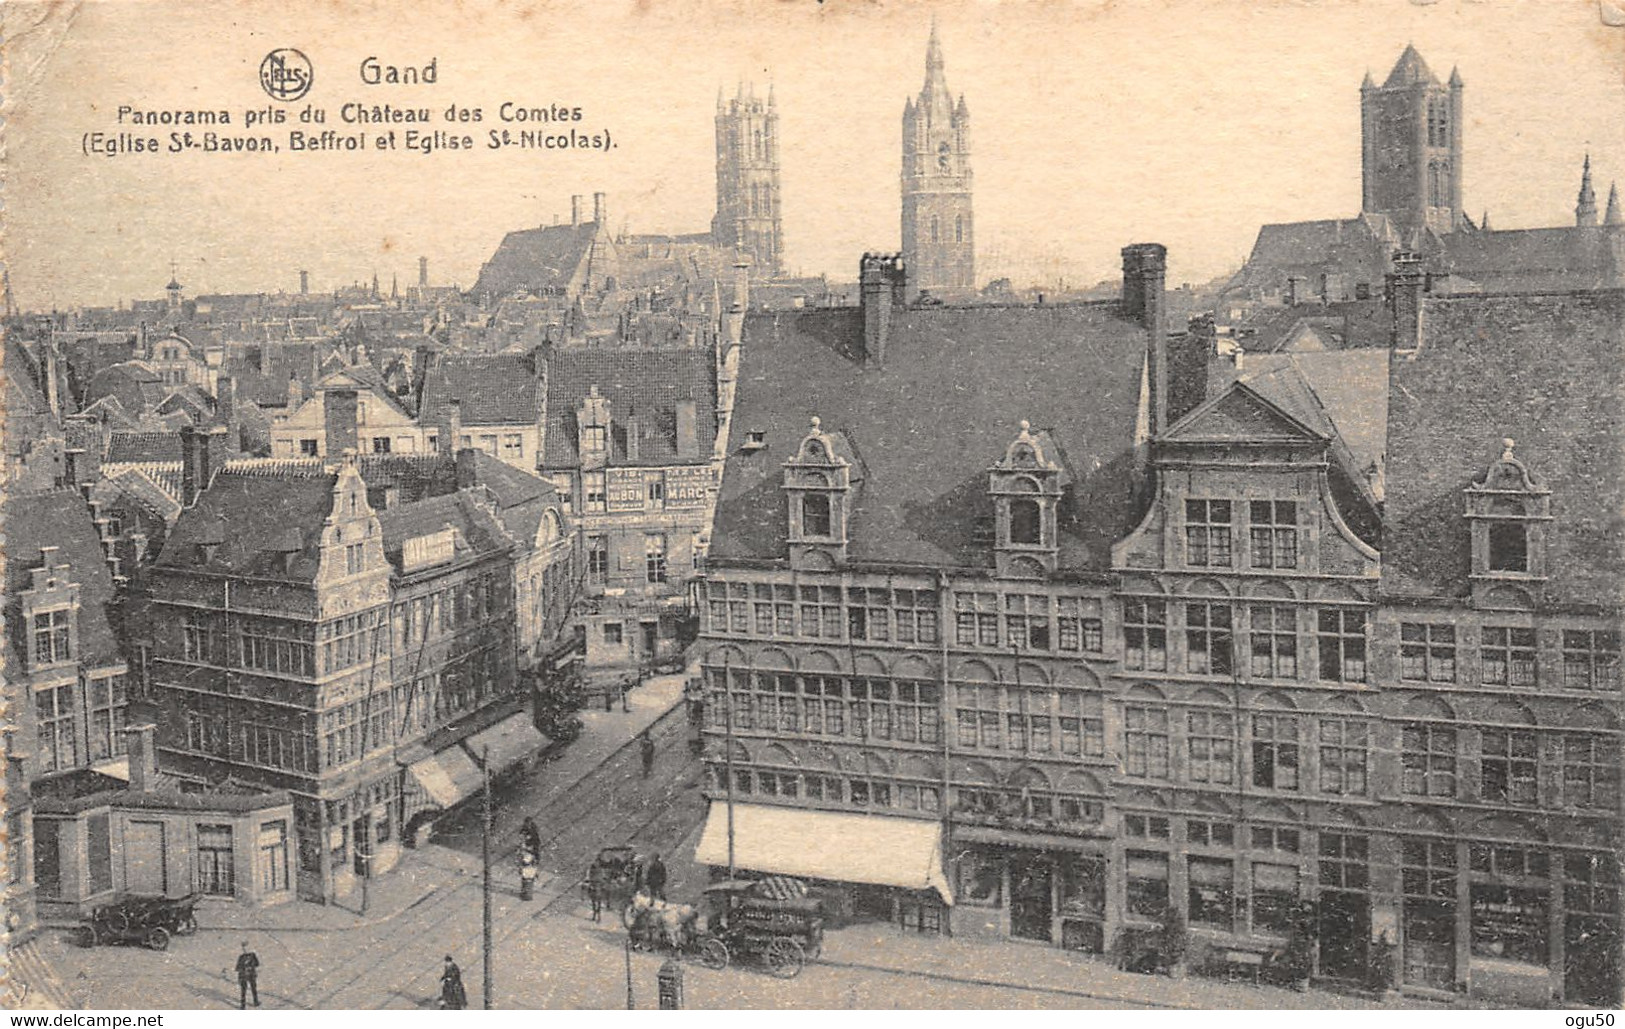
[813, 505]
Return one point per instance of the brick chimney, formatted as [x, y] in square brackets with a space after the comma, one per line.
[141, 747]
[225, 407]
[600, 208]
[575, 209]
[881, 279]
[197, 463]
[468, 472]
[688, 429]
[1145, 271]
[1404, 285]
[423, 271]
[304, 283]
[450, 429]
[339, 408]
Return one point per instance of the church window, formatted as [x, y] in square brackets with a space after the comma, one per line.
[815, 515]
[1438, 124]
[959, 229]
[934, 231]
[1026, 522]
[944, 156]
[761, 150]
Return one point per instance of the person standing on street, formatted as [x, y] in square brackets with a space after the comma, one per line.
[646, 746]
[654, 877]
[530, 837]
[248, 976]
[452, 995]
[527, 875]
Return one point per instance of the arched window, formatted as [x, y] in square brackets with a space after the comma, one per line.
[933, 228]
[959, 228]
[1026, 522]
[760, 149]
[815, 520]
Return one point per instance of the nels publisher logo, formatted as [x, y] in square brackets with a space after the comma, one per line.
[286, 75]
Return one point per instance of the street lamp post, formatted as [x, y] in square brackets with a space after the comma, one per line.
[485, 854]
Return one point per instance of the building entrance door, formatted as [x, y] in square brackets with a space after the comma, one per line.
[651, 639]
[1083, 904]
[146, 859]
[1345, 934]
[1591, 960]
[1031, 898]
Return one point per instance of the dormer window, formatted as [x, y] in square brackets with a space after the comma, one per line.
[1507, 513]
[755, 440]
[815, 519]
[1025, 488]
[817, 485]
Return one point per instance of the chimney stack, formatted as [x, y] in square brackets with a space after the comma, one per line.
[1145, 271]
[468, 473]
[225, 407]
[1405, 300]
[451, 426]
[339, 407]
[194, 464]
[688, 429]
[575, 209]
[423, 272]
[304, 283]
[600, 208]
[141, 747]
[881, 280]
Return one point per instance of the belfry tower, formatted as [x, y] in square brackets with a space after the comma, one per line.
[1410, 160]
[748, 216]
[939, 251]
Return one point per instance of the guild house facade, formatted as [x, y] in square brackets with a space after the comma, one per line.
[1325, 650]
[345, 631]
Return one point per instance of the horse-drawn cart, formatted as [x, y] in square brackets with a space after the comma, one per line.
[612, 882]
[772, 921]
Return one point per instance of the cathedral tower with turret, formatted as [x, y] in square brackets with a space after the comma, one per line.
[1410, 130]
[748, 213]
[939, 253]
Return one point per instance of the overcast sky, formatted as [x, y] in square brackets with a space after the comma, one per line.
[1185, 122]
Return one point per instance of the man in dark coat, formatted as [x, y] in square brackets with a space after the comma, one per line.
[248, 976]
[654, 877]
[452, 994]
[646, 747]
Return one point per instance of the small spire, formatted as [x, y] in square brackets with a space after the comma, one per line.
[1026, 426]
[1455, 77]
[816, 422]
[1369, 82]
[771, 100]
[1613, 216]
[1506, 448]
[1484, 221]
[1585, 208]
[719, 98]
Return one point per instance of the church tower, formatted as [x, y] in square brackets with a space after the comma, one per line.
[748, 216]
[939, 251]
[1410, 130]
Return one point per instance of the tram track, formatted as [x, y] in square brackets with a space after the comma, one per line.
[568, 816]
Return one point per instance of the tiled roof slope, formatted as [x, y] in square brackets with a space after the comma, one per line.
[476, 526]
[61, 519]
[1545, 370]
[1357, 245]
[492, 389]
[1533, 260]
[956, 384]
[143, 447]
[259, 509]
[645, 383]
[536, 259]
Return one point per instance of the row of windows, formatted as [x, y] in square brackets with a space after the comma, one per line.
[1277, 751]
[821, 788]
[1275, 649]
[1428, 652]
[1027, 622]
[823, 612]
[1584, 765]
[61, 735]
[1272, 533]
[828, 705]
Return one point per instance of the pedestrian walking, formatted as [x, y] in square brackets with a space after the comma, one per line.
[531, 837]
[452, 995]
[248, 976]
[654, 877]
[646, 746]
[527, 875]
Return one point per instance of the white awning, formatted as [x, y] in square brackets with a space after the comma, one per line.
[448, 777]
[871, 849]
[511, 740]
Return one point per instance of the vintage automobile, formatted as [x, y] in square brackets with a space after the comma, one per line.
[612, 881]
[149, 921]
[770, 920]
